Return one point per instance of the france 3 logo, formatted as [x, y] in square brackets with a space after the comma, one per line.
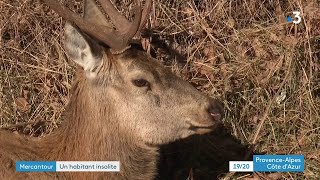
[297, 18]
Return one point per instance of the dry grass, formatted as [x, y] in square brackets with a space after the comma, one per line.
[244, 52]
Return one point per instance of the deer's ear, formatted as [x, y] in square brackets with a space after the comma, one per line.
[82, 49]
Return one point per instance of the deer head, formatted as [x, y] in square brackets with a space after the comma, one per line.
[147, 100]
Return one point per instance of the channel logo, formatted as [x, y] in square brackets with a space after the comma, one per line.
[297, 18]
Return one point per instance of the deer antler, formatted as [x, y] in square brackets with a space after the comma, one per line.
[117, 39]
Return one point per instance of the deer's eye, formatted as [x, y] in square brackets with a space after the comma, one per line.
[140, 83]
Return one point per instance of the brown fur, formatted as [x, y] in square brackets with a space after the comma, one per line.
[82, 138]
[92, 130]
[110, 118]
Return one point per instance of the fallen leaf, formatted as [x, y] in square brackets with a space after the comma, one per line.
[22, 104]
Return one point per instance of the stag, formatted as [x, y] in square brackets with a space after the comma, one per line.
[123, 105]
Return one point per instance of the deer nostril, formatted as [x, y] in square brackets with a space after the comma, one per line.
[216, 109]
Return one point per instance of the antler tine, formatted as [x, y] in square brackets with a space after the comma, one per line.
[103, 33]
[126, 28]
[145, 12]
[117, 19]
[134, 26]
[121, 23]
[117, 40]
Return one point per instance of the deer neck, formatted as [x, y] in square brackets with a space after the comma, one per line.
[83, 137]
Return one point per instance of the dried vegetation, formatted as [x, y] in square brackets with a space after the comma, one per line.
[244, 52]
